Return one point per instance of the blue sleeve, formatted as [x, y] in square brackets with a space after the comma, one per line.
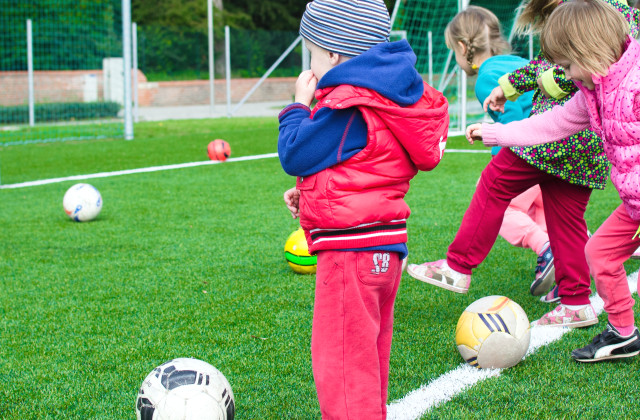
[307, 146]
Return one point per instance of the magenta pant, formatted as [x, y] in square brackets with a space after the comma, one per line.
[352, 330]
[524, 224]
[505, 177]
[606, 252]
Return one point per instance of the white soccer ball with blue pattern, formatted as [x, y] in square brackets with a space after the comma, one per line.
[493, 332]
[82, 202]
[185, 389]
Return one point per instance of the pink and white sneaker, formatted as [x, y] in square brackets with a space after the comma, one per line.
[438, 273]
[562, 316]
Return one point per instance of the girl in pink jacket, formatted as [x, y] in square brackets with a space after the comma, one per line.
[604, 62]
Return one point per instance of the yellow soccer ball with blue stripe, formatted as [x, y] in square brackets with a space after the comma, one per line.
[296, 252]
[493, 332]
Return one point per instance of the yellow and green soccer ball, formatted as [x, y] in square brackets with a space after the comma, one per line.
[493, 332]
[296, 251]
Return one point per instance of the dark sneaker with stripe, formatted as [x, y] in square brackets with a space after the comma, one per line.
[545, 273]
[609, 345]
[552, 296]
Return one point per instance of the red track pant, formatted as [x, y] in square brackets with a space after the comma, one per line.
[352, 330]
[606, 252]
[505, 177]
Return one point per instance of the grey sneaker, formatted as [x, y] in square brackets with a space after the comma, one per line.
[440, 274]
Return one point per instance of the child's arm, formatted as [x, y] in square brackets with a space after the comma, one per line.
[526, 79]
[307, 146]
[556, 124]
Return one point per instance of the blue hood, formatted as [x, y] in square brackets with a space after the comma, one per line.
[387, 68]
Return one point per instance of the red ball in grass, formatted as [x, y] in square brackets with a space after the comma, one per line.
[218, 150]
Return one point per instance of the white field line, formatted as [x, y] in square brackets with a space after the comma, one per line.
[164, 168]
[445, 387]
[134, 171]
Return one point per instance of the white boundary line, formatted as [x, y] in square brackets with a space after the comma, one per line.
[133, 171]
[166, 168]
[445, 387]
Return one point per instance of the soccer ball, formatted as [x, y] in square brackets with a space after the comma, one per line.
[219, 150]
[82, 202]
[185, 389]
[296, 252]
[493, 332]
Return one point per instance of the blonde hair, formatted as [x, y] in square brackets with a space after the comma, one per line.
[590, 33]
[533, 15]
[479, 30]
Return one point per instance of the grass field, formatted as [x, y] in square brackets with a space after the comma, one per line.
[189, 263]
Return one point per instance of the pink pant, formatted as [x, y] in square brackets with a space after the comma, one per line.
[505, 177]
[606, 252]
[524, 224]
[352, 330]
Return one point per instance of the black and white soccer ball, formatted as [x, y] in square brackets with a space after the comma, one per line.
[185, 389]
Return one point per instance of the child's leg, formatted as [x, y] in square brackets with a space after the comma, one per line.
[606, 251]
[352, 329]
[519, 228]
[505, 177]
[564, 207]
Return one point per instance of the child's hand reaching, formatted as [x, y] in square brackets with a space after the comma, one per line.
[474, 132]
[306, 87]
[292, 200]
[495, 101]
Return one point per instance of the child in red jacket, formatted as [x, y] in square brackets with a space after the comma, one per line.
[376, 123]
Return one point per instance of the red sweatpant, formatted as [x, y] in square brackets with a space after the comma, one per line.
[505, 177]
[606, 252]
[352, 330]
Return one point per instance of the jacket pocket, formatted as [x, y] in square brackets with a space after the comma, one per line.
[305, 183]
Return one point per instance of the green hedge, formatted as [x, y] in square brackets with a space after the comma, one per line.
[70, 111]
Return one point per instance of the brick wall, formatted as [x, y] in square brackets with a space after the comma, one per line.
[76, 86]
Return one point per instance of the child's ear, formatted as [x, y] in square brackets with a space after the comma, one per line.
[462, 47]
[334, 58]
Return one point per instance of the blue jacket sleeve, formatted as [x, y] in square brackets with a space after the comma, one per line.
[307, 146]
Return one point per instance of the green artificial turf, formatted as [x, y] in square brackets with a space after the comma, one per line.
[190, 263]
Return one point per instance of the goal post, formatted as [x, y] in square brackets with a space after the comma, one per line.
[424, 22]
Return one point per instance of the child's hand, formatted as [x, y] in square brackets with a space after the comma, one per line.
[495, 101]
[306, 87]
[474, 132]
[292, 200]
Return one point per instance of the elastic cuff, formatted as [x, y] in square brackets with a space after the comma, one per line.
[295, 105]
[489, 135]
[510, 92]
[550, 85]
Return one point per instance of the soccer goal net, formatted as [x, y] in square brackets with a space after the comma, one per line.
[424, 22]
[61, 70]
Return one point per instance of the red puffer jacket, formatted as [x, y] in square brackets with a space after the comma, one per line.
[360, 202]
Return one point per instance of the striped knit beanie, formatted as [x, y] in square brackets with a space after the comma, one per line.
[346, 27]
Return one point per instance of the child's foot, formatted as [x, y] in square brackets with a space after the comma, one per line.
[440, 274]
[545, 273]
[635, 255]
[552, 296]
[609, 345]
[563, 316]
